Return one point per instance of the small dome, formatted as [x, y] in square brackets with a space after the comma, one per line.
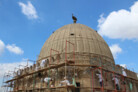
[86, 40]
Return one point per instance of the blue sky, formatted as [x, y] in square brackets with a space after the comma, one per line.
[26, 24]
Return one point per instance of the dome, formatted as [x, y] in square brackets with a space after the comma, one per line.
[85, 40]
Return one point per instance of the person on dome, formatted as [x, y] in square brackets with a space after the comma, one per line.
[48, 81]
[116, 82]
[99, 75]
[43, 63]
[65, 82]
[124, 72]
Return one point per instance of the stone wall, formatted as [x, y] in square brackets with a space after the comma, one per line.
[83, 75]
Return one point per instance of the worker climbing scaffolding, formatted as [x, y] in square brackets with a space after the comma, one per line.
[100, 78]
[116, 82]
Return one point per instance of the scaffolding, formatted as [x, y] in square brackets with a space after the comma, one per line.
[67, 63]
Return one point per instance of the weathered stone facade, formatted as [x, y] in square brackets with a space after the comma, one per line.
[78, 53]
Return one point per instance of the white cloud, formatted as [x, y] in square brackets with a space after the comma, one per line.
[121, 24]
[28, 10]
[101, 20]
[115, 49]
[2, 46]
[14, 49]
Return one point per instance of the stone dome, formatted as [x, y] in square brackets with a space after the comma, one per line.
[86, 41]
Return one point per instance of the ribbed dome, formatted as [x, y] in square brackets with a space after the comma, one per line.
[86, 40]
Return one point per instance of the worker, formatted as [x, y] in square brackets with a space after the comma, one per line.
[46, 62]
[124, 72]
[100, 78]
[65, 82]
[47, 80]
[43, 63]
[52, 83]
[116, 82]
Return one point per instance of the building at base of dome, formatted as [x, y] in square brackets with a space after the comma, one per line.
[82, 77]
[74, 59]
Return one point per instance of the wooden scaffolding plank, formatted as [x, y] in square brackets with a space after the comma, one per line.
[68, 64]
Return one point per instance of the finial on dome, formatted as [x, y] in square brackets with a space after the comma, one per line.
[74, 18]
